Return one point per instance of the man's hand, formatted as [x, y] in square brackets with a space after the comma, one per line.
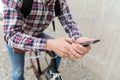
[61, 46]
[79, 50]
[66, 47]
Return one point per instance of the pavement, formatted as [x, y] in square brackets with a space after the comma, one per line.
[69, 70]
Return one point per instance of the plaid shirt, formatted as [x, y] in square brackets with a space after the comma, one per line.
[20, 32]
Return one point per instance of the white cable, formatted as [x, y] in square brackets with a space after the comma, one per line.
[33, 57]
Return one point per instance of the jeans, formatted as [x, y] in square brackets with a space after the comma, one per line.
[17, 61]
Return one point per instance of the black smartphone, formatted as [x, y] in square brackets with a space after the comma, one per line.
[90, 42]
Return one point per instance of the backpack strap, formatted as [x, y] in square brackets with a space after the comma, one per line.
[26, 7]
[57, 12]
[57, 8]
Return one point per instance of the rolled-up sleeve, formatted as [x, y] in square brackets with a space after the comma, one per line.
[66, 20]
[13, 32]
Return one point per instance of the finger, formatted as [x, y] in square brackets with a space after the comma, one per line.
[78, 50]
[69, 40]
[83, 39]
[65, 51]
[87, 49]
[74, 53]
[82, 56]
[69, 52]
[84, 50]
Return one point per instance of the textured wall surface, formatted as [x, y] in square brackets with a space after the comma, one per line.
[99, 19]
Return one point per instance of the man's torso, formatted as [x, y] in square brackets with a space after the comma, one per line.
[39, 18]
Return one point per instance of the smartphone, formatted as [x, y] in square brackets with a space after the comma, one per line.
[90, 42]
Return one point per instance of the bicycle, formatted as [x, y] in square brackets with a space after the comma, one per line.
[41, 74]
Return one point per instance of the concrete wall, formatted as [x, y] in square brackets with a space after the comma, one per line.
[100, 19]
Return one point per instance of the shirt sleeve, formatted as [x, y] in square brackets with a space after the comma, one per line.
[13, 32]
[66, 20]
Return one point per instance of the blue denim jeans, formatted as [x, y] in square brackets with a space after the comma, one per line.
[17, 61]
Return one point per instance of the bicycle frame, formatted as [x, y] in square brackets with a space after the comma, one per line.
[37, 69]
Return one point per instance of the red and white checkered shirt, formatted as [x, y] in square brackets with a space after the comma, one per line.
[20, 32]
